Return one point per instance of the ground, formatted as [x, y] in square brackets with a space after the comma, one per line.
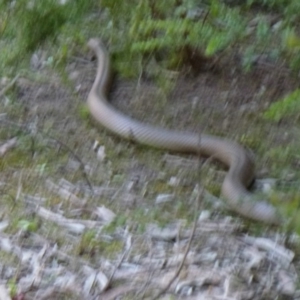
[79, 223]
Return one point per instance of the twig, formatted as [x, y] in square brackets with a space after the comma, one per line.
[116, 268]
[189, 242]
[186, 250]
[10, 85]
[142, 291]
[200, 195]
[108, 283]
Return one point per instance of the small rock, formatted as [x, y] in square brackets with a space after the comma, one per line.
[162, 198]
[105, 214]
[174, 181]
[204, 215]
[100, 151]
[286, 284]
[266, 185]
[74, 75]
[35, 62]
[163, 234]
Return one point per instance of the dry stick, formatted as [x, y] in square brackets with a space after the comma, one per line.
[186, 250]
[10, 85]
[142, 291]
[107, 285]
[200, 195]
[116, 268]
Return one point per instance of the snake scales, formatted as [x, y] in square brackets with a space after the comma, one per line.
[238, 160]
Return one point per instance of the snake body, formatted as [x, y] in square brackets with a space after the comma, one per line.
[239, 161]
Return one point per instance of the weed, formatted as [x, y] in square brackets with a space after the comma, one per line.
[288, 106]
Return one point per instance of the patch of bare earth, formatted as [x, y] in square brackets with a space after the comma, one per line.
[164, 237]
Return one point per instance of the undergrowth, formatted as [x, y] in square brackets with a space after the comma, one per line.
[26, 25]
[164, 34]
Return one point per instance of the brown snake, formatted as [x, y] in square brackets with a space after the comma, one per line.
[238, 159]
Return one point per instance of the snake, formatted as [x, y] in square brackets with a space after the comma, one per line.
[238, 160]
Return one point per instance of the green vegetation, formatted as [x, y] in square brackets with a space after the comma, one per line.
[29, 226]
[13, 288]
[25, 25]
[288, 106]
[167, 32]
[91, 245]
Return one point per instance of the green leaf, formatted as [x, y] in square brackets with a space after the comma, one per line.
[287, 106]
[214, 44]
[26, 225]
